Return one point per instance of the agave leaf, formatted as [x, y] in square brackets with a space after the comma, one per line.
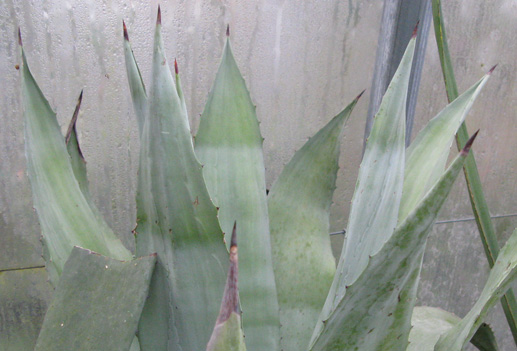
[428, 153]
[428, 323]
[375, 312]
[299, 204]
[229, 145]
[227, 334]
[96, 295]
[477, 197]
[499, 280]
[176, 219]
[374, 210]
[65, 215]
[136, 83]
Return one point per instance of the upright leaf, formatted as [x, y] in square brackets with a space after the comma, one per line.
[375, 312]
[176, 219]
[96, 296]
[136, 83]
[428, 153]
[299, 208]
[65, 215]
[227, 334]
[375, 204]
[229, 145]
[477, 197]
[499, 280]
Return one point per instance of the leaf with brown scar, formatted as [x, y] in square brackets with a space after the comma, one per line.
[227, 334]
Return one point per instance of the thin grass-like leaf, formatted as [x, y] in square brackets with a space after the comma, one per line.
[477, 197]
[229, 145]
[299, 208]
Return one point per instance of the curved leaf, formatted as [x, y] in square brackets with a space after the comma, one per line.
[299, 208]
[65, 215]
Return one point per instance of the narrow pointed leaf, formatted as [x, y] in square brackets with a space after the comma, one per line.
[375, 312]
[428, 323]
[477, 197]
[299, 208]
[227, 334]
[176, 219]
[428, 153]
[136, 83]
[499, 280]
[96, 296]
[65, 215]
[229, 146]
[375, 204]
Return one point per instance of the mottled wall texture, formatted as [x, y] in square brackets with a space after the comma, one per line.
[302, 60]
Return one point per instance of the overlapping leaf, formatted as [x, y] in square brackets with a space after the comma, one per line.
[376, 309]
[299, 207]
[176, 219]
[229, 145]
[96, 296]
[66, 216]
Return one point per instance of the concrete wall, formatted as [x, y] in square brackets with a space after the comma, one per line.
[302, 61]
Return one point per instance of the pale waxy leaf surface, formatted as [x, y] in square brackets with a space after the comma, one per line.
[427, 155]
[176, 219]
[499, 281]
[429, 323]
[229, 146]
[376, 199]
[375, 312]
[96, 296]
[65, 215]
[136, 83]
[299, 209]
[227, 334]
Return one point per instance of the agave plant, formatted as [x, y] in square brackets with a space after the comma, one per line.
[292, 293]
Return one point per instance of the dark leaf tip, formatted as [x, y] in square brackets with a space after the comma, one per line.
[176, 67]
[468, 145]
[491, 70]
[126, 37]
[359, 96]
[228, 30]
[415, 31]
[73, 121]
[20, 36]
[159, 16]
[234, 235]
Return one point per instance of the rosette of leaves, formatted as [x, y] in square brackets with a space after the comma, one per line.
[293, 294]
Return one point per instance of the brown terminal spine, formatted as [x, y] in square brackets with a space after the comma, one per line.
[159, 16]
[227, 30]
[359, 96]
[468, 145]
[415, 31]
[492, 69]
[176, 67]
[126, 37]
[20, 36]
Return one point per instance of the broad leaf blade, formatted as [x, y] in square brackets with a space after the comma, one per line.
[499, 280]
[299, 204]
[96, 296]
[477, 197]
[229, 145]
[374, 210]
[65, 215]
[429, 323]
[375, 312]
[176, 219]
[227, 334]
[428, 153]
